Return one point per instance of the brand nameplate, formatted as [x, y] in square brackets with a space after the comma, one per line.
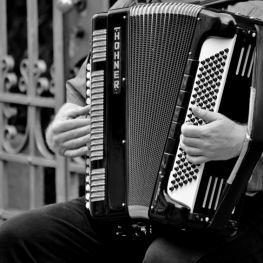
[116, 60]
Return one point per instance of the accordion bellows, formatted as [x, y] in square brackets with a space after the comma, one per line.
[154, 41]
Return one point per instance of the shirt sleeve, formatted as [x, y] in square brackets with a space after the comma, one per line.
[250, 8]
[123, 3]
[76, 87]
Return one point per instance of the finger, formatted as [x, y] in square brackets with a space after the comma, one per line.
[77, 152]
[190, 130]
[77, 112]
[191, 150]
[76, 143]
[73, 134]
[64, 126]
[197, 159]
[194, 142]
[205, 115]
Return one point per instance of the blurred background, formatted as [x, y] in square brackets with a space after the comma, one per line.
[42, 44]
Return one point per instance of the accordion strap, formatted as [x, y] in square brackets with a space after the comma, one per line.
[208, 3]
[215, 3]
[234, 191]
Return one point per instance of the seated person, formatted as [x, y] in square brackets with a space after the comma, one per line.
[66, 232]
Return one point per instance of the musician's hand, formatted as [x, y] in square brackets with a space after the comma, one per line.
[69, 133]
[219, 139]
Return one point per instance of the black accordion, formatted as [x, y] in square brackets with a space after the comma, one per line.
[149, 65]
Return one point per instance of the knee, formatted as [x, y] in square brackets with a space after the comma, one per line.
[16, 229]
[168, 250]
[157, 252]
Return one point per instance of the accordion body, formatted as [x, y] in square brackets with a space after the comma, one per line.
[149, 65]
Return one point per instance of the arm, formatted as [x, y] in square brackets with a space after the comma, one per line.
[220, 139]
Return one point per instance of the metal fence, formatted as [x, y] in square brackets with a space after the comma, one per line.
[38, 52]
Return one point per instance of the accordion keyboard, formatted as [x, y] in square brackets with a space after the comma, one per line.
[207, 91]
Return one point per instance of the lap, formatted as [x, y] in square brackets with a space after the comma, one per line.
[65, 232]
[245, 246]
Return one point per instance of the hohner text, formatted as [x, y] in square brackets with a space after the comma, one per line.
[116, 60]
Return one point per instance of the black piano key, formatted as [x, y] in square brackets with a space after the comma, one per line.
[167, 161]
[183, 99]
[175, 130]
[179, 114]
[191, 67]
[187, 83]
[171, 146]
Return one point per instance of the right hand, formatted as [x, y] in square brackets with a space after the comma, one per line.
[69, 133]
[219, 139]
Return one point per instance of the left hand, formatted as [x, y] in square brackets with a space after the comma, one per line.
[69, 133]
[219, 139]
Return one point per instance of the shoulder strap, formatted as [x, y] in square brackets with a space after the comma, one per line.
[217, 3]
[208, 3]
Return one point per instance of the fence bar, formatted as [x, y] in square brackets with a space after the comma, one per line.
[62, 174]
[27, 100]
[3, 52]
[32, 40]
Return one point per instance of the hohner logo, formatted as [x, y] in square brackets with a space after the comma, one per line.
[116, 60]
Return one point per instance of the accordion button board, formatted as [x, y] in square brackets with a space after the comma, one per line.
[207, 92]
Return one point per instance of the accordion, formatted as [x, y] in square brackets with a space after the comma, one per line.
[149, 64]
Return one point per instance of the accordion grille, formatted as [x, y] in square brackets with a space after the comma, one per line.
[159, 46]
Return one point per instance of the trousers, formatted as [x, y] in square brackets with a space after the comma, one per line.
[66, 232]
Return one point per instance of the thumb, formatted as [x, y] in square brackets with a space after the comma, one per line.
[205, 115]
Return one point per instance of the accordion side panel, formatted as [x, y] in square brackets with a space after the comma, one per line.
[159, 46]
[96, 180]
[115, 132]
[207, 93]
